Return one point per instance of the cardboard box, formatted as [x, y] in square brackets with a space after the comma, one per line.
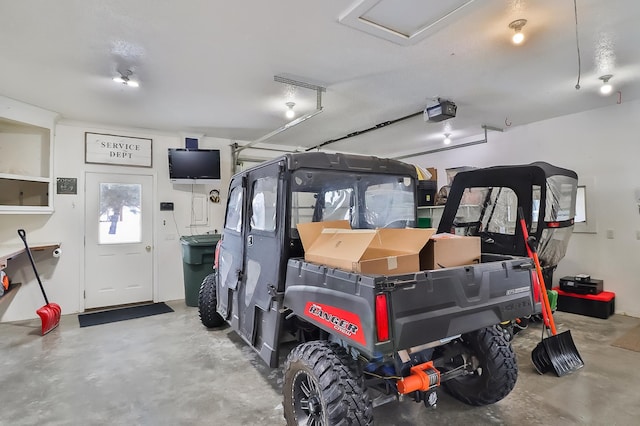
[448, 250]
[369, 251]
[433, 172]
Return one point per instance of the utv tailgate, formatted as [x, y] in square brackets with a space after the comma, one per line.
[433, 305]
[423, 307]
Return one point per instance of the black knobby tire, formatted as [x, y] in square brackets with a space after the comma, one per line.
[323, 385]
[207, 303]
[497, 372]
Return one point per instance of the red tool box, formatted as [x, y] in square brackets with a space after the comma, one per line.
[601, 305]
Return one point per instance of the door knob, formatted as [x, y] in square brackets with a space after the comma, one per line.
[148, 248]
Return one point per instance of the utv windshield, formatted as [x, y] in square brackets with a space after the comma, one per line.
[365, 200]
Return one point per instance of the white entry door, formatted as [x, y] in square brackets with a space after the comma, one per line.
[118, 239]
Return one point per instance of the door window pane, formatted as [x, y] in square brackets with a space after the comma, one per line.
[263, 204]
[120, 217]
[234, 210]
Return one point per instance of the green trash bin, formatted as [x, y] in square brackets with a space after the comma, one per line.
[198, 252]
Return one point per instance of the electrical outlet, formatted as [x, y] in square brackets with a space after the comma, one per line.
[610, 234]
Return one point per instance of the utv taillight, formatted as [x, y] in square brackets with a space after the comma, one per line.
[382, 317]
[215, 257]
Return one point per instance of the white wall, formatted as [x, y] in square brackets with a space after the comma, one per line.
[602, 147]
[64, 277]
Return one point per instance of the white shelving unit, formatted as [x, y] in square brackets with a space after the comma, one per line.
[432, 212]
[26, 159]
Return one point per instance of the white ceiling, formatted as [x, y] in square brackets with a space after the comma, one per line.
[208, 67]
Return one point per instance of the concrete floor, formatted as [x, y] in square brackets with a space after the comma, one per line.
[169, 370]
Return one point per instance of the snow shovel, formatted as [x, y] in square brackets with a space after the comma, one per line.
[557, 352]
[49, 313]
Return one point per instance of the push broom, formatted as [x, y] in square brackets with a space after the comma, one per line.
[557, 352]
[49, 313]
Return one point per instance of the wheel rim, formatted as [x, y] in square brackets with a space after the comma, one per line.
[307, 403]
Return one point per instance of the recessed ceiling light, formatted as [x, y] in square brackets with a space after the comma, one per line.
[606, 87]
[518, 36]
[124, 78]
[290, 112]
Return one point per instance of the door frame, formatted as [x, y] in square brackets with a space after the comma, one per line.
[154, 237]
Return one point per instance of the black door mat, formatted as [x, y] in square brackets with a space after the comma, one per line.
[122, 314]
[630, 340]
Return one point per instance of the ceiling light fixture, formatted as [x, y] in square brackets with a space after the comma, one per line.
[606, 87]
[290, 112]
[517, 25]
[447, 138]
[123, 78]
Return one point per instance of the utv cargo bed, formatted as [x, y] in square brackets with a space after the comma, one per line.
[423, 307]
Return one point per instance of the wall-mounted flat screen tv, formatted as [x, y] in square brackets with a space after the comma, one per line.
[194, 166]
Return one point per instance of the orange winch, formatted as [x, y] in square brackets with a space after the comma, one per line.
[423, 377]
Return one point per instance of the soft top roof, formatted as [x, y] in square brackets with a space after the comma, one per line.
[341, 162]
[537, 172]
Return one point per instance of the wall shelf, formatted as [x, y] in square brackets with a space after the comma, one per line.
[22, 177]
[26, 164]
[9, 251]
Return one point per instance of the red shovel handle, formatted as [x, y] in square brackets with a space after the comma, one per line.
[547, 315]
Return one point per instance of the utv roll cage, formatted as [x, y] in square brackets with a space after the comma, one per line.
[484, 203]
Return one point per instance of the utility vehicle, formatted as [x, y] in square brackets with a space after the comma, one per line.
[360, 337]
[484, 202]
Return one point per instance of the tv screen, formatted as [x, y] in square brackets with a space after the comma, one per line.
[192, 165]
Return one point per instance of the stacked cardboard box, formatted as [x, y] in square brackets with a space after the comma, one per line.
[385, 251]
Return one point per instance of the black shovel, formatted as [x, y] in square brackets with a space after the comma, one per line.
[557, 352]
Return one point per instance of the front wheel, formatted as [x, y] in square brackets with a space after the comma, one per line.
[493, 365]
[323, 385]
[207, 302]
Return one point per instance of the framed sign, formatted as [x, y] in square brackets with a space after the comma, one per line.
[119, 150]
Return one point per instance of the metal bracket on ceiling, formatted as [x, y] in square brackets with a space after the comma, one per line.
[485, 127]
[319, 89]
[295, 83]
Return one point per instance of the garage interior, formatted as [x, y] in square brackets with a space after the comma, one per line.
[252, 81]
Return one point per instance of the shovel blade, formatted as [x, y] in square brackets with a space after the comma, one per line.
[557, 353]
[50, 316]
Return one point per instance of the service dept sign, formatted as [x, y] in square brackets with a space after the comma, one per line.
[120, 150]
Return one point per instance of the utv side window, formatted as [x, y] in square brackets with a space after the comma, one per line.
[234, 210]
[263, 204]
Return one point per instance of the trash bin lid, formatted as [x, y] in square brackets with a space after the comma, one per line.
[200, 240]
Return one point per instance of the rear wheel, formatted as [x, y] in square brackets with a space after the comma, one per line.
[494, 368]
[207, 302]
[323, 385]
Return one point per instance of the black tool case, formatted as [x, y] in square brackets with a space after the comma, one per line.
[601, 305]
[581, 286]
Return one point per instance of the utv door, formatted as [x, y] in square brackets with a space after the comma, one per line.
[231, 253]
[258, 294]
